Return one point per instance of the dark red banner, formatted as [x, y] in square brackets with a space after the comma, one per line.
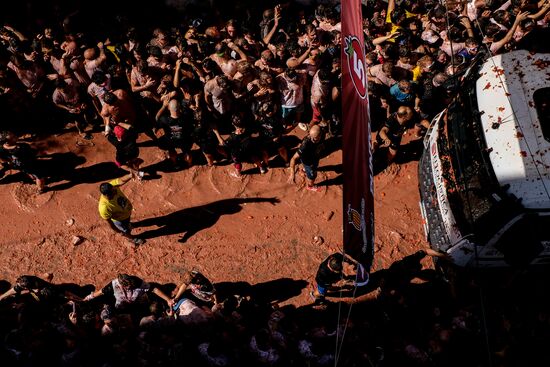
[356, 155]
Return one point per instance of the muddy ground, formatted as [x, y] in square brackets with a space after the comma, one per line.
[256, 230]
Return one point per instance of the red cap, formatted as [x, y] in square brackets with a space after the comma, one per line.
[119, 132]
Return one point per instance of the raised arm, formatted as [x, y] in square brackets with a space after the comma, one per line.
[499, 44]
[544, 6]
[292, 167]
[271, 33]
[299, 60]
[10, 292]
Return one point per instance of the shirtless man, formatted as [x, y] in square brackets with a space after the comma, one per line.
[222, 57]
[92, 61]
[68, 98]
[118, 108]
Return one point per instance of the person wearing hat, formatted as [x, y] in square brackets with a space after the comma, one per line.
[124, 138]
[129, 293]
[115, 208]
[331, 275]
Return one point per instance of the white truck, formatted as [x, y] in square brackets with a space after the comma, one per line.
[484, 175]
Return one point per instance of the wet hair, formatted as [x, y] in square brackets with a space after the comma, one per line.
[156, 309]
[142, 65]
[107, 313]
[500, 15]
[263, 77]
[398, 15]
[293, 49]
[267, 55]
[126, 280]
[209, 64]
[89, 319]
[438, 12]
[291, 73]
[390, 50]
[221, 48]
[439, 79]
[59, 83]
[372, 56]
[425, 61]
[109, 98]
[403, 111]
[47, 293]
[4, 136]
[404, 83]
[99, 77]
[223, 82]
[471, 42]
[404, 51]
[246, 30]
[244, 67]
[335, 263]
[237, 121]
[106, 188]
[492, 30]
[24, 281]
[24, 46]
[387, 67]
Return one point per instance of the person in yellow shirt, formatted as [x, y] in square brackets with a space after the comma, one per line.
[116, 209]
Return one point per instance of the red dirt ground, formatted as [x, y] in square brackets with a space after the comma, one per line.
[248, 241]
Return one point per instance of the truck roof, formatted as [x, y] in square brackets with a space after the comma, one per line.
[519, 151]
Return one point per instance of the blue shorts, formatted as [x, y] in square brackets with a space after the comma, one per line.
[322, 291]
[311, 171]
[290, 112]
[123, 226]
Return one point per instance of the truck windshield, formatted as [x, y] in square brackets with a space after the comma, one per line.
[471, 185]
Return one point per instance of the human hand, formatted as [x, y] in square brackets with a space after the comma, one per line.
[89, 297]
[394, 34]
[465, 21]
[277, 12]
[485, 14]
[291, 178]
[522, 16]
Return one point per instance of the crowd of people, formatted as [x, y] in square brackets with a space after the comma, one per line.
[236, 81]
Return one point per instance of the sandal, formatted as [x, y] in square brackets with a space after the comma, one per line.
[314, 188]
[84, 143]
[235, 175]
[316, 300]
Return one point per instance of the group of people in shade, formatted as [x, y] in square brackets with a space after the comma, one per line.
[237, 87]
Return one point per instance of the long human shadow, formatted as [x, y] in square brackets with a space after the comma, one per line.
[337, 180]
[195, 219]
[98, 172]
[55, 166]
[273, 291]
[58, 167]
